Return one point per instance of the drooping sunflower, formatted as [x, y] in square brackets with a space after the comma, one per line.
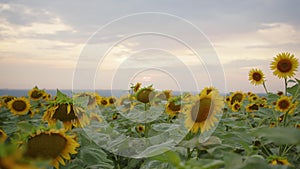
[236, 106]
[284, 65]
[173, 106]
[69, 114]
[19, 106]
[145, 94]
[256, 77]
[140, 128]
[237, 96]
[54, 145]
[202, 110]
[283, 104]
[36, 94]
[3, 136]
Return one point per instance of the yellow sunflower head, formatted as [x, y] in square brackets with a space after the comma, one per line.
[3, 136]
[283, 104]
[36, 94]
[103, 101]
[68, 114]
[284, 65]
[272, 125]
[256, 77]
[52, 145]
[140, 128]
[279, 161]
[202, 110]
[145, 95]
[173, 106]
[237, 96]
[19, 106]
[236, 106]
[253, 98]
[5, 99]
[112, 100]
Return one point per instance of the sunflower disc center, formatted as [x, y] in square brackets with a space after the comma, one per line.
[45, 146]
[174, 107]
[143, 96]
[284, 65]
[257, 76]
[36, 94]
[203, 106]
[19, 105]
[237, 97]
[283, 104]
[62, 114]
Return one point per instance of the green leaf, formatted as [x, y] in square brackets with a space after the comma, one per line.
[233, 160]
[168, 157]
[279, 135]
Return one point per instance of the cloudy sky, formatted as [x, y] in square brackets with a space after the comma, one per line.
[172, 44]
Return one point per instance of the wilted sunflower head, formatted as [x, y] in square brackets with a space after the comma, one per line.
[145, 95]
[36, 94]
[52, 145]
[284, 65]
[256, 77]
[202, 110]
[19, 106]
[283, 104]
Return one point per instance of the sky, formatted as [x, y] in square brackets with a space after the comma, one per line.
[172, 44]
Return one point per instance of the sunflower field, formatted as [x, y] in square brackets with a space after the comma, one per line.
[147, 128]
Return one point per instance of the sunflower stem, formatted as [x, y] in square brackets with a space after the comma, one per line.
[265, 88]
[285, 85]
[284, 119]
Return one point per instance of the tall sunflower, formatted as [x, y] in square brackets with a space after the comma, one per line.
[5, 99]
[3, 136]
[54, 145]
[202, 110]
[19, 106]
[284, 65]
[283, 104]
[256, 77]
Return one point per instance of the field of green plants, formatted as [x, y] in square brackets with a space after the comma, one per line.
[147, 128]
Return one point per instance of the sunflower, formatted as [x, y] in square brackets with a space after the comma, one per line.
[95, 117]
[172, 107]
[69, 114]
[19, 106]
[272, 125]
[112, 100]
[256, 77]
[280, 93]
[201, 112]
[145, 95]
[140, 128]
[252, 107]
[207, 90]
[103, 101]
[253, 98]
[284, 65]
[14, 161]
[52, 145]
[3, 136]
[283, 104]
[5, 99]
[36, 94]
[236, 106]
[237, 96]
[297, 126]
[136, 87]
